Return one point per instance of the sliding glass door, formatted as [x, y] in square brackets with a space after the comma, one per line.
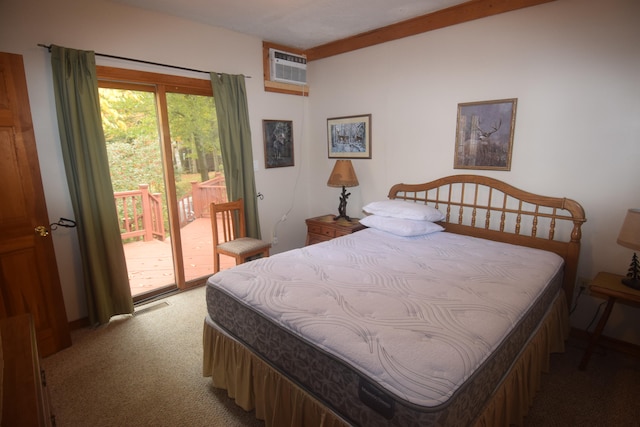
[198, 176]
[164, 155]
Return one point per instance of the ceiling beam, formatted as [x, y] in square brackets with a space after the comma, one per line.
[464, 12]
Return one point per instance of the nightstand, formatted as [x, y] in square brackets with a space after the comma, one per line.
[609, 287]
[323, 228]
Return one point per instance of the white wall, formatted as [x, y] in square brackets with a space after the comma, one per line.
[114, 29]
[574, 66]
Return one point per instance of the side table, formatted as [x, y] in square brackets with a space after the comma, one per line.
[609, 287]
[323, 228]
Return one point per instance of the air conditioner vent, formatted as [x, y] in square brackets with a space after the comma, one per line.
[288, 67]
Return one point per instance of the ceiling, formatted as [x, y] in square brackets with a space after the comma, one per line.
[301, 24]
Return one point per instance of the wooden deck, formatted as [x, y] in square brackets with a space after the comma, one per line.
[150, 263]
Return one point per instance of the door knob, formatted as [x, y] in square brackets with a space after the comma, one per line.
[42, 231]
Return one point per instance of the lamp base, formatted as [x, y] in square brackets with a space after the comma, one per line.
[342, 207]
[633, 274]
[631, 282]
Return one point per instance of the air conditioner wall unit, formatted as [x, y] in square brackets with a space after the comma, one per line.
[287, 67]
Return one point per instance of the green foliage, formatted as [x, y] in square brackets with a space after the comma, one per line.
[194, 132]
[131, 134]
[134, 164]
[128, 116]
[133, 141]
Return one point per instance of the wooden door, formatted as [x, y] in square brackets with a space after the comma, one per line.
[29, 281]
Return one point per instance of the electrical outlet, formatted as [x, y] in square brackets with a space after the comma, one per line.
[274, 240]
[584, 283]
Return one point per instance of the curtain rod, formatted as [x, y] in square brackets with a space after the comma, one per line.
[48, 47]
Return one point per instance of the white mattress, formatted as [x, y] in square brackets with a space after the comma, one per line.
[420, 323]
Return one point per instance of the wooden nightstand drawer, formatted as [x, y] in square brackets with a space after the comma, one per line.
[328, 232]
[323, 228]
[339, 233]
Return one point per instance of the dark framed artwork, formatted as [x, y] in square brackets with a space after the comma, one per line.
[278, 143]
[484, 134]
[349, 137]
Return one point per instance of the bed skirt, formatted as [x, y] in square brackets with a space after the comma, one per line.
[255, 385]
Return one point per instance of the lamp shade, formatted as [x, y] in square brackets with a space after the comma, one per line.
[629, 236]
[343, 175]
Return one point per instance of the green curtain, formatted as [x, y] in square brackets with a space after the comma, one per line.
[230, 96]
[87, 169]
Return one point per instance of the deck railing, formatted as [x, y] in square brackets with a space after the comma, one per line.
[195, 204]
[140, 213]
[213, 190]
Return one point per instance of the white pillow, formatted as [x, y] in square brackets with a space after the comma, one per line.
[404, 209]
[400, 226]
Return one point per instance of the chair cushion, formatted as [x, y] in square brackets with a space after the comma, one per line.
[243, 245]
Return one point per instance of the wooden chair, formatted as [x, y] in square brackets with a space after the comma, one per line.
[230, 234]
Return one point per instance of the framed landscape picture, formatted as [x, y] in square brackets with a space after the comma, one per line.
[484, 134]
[278, 143]
[349, 137]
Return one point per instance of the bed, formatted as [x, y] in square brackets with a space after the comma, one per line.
[450, 326]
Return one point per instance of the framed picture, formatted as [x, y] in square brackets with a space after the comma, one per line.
[349, 137]
[278, 143]
[484, 134]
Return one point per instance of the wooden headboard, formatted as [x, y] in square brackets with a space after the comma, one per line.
[491, 209]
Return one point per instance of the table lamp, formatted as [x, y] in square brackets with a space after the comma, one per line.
[629, 237]
[343, 176]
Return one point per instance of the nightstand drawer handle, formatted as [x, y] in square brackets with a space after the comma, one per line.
[329, 232]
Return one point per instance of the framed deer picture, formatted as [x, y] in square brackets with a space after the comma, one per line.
[484, 134]
[349, 137]
[278, 143]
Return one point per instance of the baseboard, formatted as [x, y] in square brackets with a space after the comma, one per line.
[611, 343]
[162, 293]
[79, 324]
